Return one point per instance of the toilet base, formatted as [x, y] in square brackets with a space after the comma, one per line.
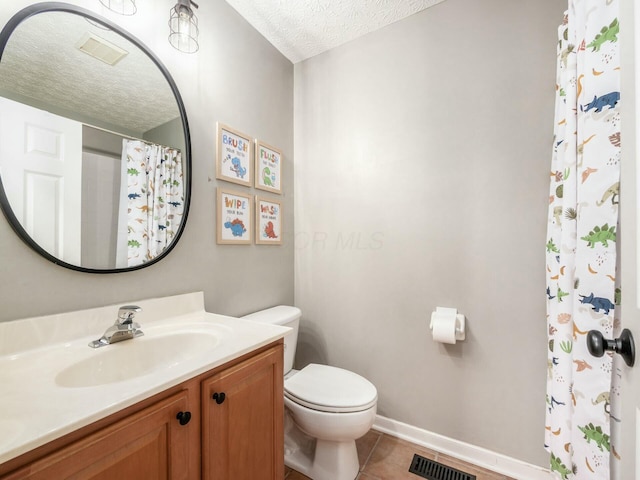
[320, 459]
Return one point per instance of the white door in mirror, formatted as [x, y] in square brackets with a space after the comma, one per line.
[41, 164]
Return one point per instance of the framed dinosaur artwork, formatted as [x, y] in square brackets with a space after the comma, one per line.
[268, 168]
[233, 218]
[233, 156]
[268, 222]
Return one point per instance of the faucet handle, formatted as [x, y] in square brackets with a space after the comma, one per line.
[127, 312]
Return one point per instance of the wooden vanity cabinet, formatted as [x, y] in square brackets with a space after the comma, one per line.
[239, 438]
[242, 420]
[151, 443]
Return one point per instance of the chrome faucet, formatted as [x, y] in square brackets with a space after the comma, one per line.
[123, 329]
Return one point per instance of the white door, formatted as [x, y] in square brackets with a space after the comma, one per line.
[629, 211]
[41, 166]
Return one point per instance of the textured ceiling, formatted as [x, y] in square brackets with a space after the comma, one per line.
[303, 28]
[42, 67]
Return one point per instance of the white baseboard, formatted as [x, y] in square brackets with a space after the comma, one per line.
[464, 451]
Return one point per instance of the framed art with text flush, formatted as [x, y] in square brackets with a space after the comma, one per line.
[233, 156]
[268, 168]
[268, 222]
[233, 218]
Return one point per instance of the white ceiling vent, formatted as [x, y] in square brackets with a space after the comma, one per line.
[101, 49]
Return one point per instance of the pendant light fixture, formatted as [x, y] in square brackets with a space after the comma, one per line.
[183, 27]
[123, 7]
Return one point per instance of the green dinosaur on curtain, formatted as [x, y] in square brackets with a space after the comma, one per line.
[607, 34]
[601, 439]
[558, 466]
[603, 234]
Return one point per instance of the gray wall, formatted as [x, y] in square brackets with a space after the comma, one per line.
[237, 78]
[422, 169]
[168, 134]
[101, 175]
[101, 141]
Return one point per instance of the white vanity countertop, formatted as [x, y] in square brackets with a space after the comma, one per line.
[35, 408]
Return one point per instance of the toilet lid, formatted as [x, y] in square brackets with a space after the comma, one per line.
[330, 389]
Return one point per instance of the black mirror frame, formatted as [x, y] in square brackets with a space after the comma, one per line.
[5, 34]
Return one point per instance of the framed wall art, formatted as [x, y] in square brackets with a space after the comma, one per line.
[233, 218]
[233, 156]
[268, 168]
[268, 222]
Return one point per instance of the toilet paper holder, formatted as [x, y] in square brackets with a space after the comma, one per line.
[450, 315]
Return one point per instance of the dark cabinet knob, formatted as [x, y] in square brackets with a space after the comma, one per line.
[624, 345]
[183, 417]
[219, 397]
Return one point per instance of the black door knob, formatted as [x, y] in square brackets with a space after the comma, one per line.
[219, 397]
[183, 417]
[624, 345]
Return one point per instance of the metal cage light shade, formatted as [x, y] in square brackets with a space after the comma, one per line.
[183, 27]
[123, 7]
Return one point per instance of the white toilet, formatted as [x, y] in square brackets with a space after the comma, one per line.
[327, 409]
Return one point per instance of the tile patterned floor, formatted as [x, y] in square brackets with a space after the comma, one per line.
[383, 457]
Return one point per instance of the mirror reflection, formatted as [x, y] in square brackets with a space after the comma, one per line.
[92, 144]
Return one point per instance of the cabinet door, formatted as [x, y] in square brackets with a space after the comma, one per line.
[242, 430]
[151, 444]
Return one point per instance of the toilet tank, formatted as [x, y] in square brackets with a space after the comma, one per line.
[287, 317]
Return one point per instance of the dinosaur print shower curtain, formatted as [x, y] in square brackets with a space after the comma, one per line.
[155, 198]
[581, 244]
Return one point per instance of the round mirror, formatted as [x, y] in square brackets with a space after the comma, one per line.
[95, 161]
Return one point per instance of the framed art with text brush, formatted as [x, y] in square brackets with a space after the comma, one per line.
[233, 156]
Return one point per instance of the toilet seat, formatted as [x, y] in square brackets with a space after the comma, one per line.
[330, 389]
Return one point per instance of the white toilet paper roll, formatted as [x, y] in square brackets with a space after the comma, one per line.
[443, 329]
[447, 325]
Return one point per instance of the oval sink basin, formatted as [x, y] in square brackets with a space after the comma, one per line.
[133, 358]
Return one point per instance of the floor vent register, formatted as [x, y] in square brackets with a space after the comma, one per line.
[426, 468]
